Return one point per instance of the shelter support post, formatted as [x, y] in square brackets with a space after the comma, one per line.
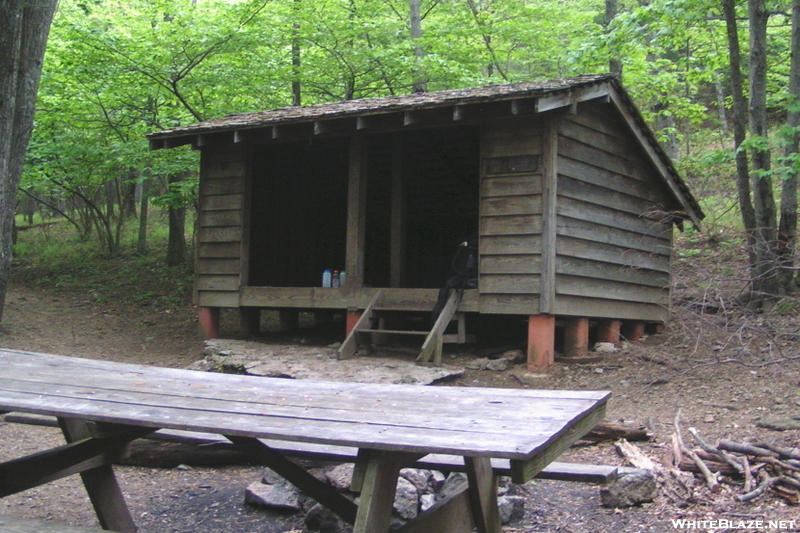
[541, 342]
[208, 319]
[289, 319]
[632, 330]
[576, 337]
[608, 330]
[352, 318]
[250, 320]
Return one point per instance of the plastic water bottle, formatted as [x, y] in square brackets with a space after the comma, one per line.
[342, 278]
[326, 278]
[335, 279]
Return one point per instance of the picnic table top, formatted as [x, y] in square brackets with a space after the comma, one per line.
[467, 421]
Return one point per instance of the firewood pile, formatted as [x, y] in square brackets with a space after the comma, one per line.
[750, 468]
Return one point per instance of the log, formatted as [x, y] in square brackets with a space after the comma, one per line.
[605, 431]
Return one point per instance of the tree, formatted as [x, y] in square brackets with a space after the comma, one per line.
[22, 46]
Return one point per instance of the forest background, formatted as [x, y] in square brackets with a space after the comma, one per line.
[717, 80]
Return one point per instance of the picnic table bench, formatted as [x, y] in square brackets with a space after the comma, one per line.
[102, 406]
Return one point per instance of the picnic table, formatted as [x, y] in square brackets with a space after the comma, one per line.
[102, 406]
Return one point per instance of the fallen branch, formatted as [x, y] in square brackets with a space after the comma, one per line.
[758, 491]
[711, 478]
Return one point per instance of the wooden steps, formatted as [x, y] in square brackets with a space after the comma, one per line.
[431, 350]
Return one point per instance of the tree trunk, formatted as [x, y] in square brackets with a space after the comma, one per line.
[740, 131]
[22, 43]
[296, 87]
[614, 63]
[144, 204]
[415, 15]
[177, 253]
[765, 283]
[787, 229]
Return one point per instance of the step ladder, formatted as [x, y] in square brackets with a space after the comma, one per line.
[431, 347]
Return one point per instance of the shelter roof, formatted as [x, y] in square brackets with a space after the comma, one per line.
[535, 96]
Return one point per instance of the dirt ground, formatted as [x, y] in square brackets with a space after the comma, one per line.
[725, 372]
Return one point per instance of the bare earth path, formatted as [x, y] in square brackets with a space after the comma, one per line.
[651, 380]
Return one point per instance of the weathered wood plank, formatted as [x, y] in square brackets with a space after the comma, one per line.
[226, 250]
[598, 158]
[641, 188]
[608, 143]
[588, 249]
[218, 283]
[511, 205]
[510, 264]
[511, 225]
[218, 185]
[220, 234]
[609, 217]
[512, 145]
[599, 270]
[509, 304]
[550, 187]
[218, 266]
[503, 128]
[581, 229]
[589, 193]
[519, 185]
[221, 218]
[599, 308]
[610, 290]
[224, 202]
[510, 284]
[218, 299]
[510, 245]
[10, 524]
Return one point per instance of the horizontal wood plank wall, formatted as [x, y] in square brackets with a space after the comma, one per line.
[613, 250]
[221, 226]
[511, 216]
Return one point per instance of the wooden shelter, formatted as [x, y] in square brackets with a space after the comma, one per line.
[571, 195]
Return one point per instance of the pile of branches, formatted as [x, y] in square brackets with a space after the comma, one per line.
[754, 468]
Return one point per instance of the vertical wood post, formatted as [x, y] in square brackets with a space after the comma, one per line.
[101, 485]
[549, 215]
[632, 330]
[351, 319]
[208, 319]
[576, 337]
[250, 320]
[608, 330]
[541, 342]
[356, 212]
[398, 215]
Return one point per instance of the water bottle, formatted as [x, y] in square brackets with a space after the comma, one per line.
[326, 278]
[335, 279]
[342, 278]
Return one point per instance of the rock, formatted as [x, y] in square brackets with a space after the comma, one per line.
[419, 478]
[605, 347]
[498, 365]
[515, 357]
[478, 364]
[283, 496]
[637, 487]
[426, 501]
[341, 476]
[335, 345]
[406, 499]
[511, 508]
[454, 482]
[780, 423]
[437, 479]
[318, 518]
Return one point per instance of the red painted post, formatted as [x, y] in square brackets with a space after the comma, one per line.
[608, 330]
[351, 320]
[633, 330]
[541, 342]
[576, 337]
[208, 319]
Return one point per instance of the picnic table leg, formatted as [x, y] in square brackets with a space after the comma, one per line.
[483, 494]
[101, 484]
[378, 490]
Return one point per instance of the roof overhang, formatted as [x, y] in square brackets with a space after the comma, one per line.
[397, 113]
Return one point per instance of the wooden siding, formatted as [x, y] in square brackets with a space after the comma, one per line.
[511, 216]
[221, 233]
[613, 247]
